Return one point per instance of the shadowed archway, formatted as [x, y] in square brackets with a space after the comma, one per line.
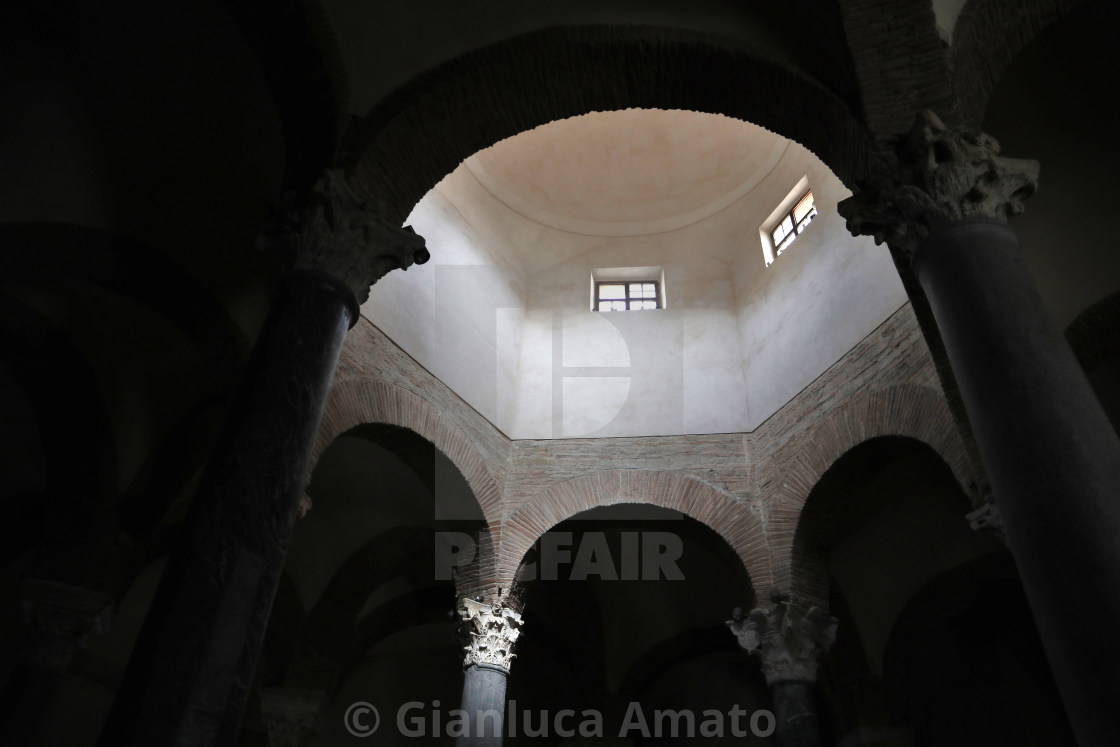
[732, 519]
[422, 131]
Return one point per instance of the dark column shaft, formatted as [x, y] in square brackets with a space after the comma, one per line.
[484, 689]
[1051, 455]
[190, 673]
[795, 708]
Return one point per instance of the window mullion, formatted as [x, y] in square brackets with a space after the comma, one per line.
[634, 295]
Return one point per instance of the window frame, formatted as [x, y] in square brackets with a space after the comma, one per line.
[626, 286]
[785, 211]
[796, 228]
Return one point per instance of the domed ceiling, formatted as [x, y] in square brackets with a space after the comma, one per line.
[519, 230]
[628, 173]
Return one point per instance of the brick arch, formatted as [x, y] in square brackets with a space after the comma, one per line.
[730, 518]
[837, 506]
[360, 402]
[303, 67]
[989, 34]
[72, 419]
[916, 412]
[425, 129]
[329, 628]
[1094, 335]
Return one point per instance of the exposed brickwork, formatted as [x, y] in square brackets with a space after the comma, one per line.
[1095, 334]
[393, 553]
[353, 403]
[748, 487]
[838, 506]
[306, 76]
[900, 62]
[732, 519]
[903, 68]
[988, 36]
[903, 410]
[421, 132]
[796, 533]
[719, 459]
[885, 386]
[368, 355]
[894, 353]
[356, 402]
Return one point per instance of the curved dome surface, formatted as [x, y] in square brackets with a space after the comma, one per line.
[628, 173]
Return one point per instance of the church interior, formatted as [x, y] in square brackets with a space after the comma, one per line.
[653, 404]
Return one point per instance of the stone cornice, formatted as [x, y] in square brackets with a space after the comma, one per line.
[336, 233]
[788, 638]
[932, 176]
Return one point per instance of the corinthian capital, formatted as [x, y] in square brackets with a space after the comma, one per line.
[62, 619]
[292, 717]
[493, 629]
[932, 176]
[336, 232]
[788, 639]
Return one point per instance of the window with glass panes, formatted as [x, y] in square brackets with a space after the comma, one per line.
[626, 296]
[794, 222]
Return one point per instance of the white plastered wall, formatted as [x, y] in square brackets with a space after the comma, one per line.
[501, 312]
[824, 294]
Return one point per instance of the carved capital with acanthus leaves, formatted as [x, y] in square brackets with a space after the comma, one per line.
[788, 638]
[336, 232]
[493, 631]
[293, 717]
[932, 176]
[61, 619]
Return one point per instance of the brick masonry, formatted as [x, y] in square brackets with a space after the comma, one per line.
[421, 132]
[1094, 335]
[900, 63]
[305, 74]
[735, 520]
[750, 488]
[988, 36]
[888, 385]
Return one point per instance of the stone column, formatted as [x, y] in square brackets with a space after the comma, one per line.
[189, 676]
[61, 619]
[1050, 453]
[789, 640]
[493, 630]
